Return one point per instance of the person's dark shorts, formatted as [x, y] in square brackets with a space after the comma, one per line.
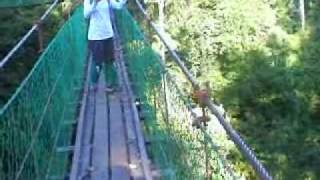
[102, 50]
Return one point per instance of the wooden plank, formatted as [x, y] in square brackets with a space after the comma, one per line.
[86, 144]
[77, 159]
[119, 159]
[137, 128]
[100, 152]
[123, 78]
[135, 165]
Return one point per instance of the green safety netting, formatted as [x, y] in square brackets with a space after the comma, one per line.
[18, 3]
[175, 147]
[36, 123]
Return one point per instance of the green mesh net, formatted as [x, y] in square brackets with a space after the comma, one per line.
[18, 3]
[177, 149]
[36, 123]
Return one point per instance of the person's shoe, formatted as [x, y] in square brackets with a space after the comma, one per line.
[112, 89]
[109, 89]
[98, 69]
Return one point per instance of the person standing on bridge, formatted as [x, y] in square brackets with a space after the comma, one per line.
[100, 39]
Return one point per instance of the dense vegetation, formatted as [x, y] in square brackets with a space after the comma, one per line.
[15, 22]
[260, 63]
[264, 68]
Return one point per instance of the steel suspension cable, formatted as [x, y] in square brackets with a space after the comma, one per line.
[235, 137]
[35, 27]
[38, 118]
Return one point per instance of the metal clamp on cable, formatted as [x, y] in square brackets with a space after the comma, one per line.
[201, 96]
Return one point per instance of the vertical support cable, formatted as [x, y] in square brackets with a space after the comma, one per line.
[206, 156]
[165, 96]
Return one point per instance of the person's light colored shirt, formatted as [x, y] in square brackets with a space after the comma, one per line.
[98, 13]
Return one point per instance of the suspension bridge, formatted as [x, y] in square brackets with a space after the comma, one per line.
[55, 127]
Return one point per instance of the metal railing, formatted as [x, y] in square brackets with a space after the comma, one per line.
[235, 137]
[34, 28]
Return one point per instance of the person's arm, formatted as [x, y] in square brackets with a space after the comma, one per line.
[117, 4]
[88, 8]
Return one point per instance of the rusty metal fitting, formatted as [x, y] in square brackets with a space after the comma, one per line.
[197, 122]
[200, 97]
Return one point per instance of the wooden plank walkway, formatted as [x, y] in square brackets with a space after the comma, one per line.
[110, 143]
[107, 145]
[118, 140]
[100, 151]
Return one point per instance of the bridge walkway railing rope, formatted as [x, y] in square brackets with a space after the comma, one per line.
[206, 101]
[177, 150]
[38, 119]
[36, 124]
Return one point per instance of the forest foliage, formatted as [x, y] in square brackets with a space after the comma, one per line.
[15, 23]
[258, 60]
[264, 67]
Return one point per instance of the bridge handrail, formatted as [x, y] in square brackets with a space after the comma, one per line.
[235, 137]
[35, 27]
[141, 145]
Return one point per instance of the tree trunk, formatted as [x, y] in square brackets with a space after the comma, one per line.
[161, 4]
[302, 14]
